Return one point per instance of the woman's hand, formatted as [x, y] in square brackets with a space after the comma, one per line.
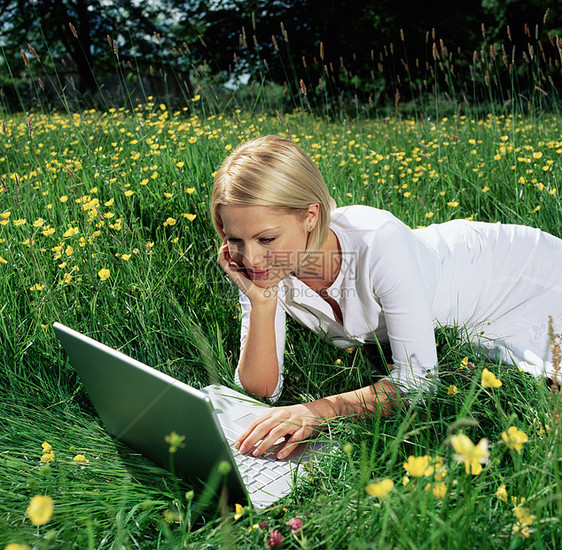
[237, 272]
[294, 424]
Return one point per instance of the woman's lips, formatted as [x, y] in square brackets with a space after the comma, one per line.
[258, 274]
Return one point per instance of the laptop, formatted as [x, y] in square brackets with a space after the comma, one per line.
[140, 406]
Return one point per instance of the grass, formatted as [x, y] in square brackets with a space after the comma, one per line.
[125, 192]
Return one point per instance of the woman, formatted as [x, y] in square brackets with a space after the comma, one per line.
[357, 275]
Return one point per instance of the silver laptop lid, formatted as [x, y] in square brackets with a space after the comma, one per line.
[140, 406]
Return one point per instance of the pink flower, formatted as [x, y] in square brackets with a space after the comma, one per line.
[275, 539]
[295, 524]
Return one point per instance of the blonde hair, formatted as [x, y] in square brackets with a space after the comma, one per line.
[273, 171]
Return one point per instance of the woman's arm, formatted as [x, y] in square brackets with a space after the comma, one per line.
[297, 423]
[258, 369]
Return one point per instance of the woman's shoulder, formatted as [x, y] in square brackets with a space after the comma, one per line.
[362, 218]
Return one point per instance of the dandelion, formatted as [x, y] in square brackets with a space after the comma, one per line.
[514, 438]
[453, 390]
[489, 380]
[501, 493]
[40, 509]
[380, 489]
[473, 456]
[239, 511]
[104, 274]
[80, 458]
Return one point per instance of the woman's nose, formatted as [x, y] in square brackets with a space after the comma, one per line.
[253, 256]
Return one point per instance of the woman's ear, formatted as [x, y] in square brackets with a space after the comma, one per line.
[313, 214]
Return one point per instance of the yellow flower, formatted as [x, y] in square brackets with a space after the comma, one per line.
[176, 442]
[129, 193]
[180, 164]
[429, 214]
[63, 199]
[15, 546]
[523, 515]
[46, 447]
[125, 256]
[418, 466]
[514, 438]
[104, 274]
[3, 261]
[47, 457]
[464, 362]
[70, 232]
[36, 287]
[453, 390]
[501, 493]
[485, 189]
[453, 204]
[38, 222]
[170, 221]
[522, 530]
[489, 380]
[17, 223]
[190, 217]
[40, 509]
[239, 511]
[380, 489]
[473, 456]
[190, 190]
[439, 490]
[80, 458]
[338, 361]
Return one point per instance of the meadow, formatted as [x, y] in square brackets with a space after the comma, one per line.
[105, 227]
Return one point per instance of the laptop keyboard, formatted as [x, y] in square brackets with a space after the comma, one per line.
[258, 472]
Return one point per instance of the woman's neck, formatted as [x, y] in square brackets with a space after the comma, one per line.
[323, 266]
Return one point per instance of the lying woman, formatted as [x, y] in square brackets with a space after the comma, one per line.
[357, 275]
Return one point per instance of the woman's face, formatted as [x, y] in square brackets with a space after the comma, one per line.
[267, 243]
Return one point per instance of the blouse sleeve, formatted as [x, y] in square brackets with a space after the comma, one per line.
[398, 283]
[279, 341]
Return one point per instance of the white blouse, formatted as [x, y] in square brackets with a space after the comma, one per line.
[395, 285]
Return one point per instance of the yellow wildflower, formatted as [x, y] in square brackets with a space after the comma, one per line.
[16, 546]
[523, 515]
[189, 217]
[439, 490]
[19, 222]
[190, 190]
[3, 261]
[47, 457]
[104, 274]
[170, 221]
[418, 466]
[453, 390]
[380, 489]
[473, 456]
[46, 447]
[37, 288]
[514, 438]
[80, 458]
[40, 509]
[239, 512]
[489, 380]
[501, 493]
[453, 204]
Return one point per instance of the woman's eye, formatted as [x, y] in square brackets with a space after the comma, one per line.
[266, 240]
